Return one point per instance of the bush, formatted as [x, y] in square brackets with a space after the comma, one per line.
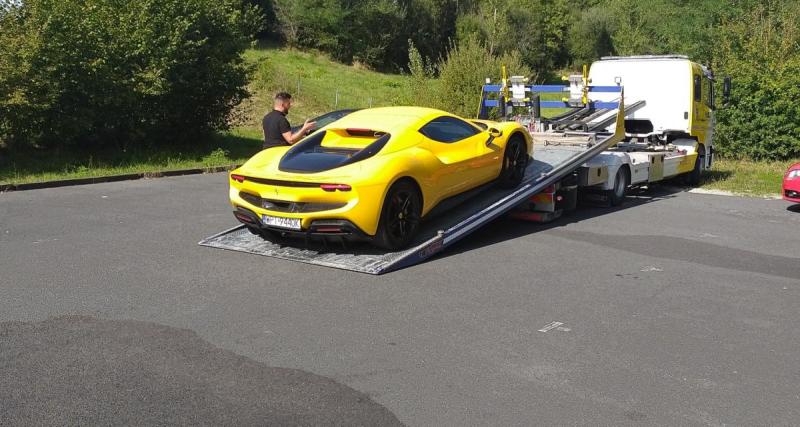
[462, 73]
[101, 72]
[761, 54]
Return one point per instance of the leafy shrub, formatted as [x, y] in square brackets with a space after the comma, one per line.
[102, 72]
[762, 55]
[462, 73]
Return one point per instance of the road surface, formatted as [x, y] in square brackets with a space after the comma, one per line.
[677, 309]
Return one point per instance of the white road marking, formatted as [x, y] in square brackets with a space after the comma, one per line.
[550, 326]
[650, 268]
[732, 194]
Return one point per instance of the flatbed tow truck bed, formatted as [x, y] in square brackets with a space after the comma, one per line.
[551, 163]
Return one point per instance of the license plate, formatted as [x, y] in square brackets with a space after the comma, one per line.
[276, 221]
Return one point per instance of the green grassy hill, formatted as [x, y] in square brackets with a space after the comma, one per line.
[317, 84]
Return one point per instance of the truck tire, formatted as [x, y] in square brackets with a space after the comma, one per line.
[693, 177]
[621, 182]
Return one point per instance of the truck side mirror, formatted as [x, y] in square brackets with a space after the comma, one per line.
[726, 90]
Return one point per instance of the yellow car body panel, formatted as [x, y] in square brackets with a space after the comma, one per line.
[440, 170]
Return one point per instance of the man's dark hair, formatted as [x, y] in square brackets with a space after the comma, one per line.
[283, 96]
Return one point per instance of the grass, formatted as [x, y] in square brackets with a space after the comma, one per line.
[746, 177]
[317, 84]
[224, 149]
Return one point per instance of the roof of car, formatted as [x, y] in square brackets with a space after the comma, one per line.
[388, 119]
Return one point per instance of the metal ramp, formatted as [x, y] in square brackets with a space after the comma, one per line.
[551, 163]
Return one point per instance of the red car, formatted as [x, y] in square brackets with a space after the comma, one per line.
[791, 184]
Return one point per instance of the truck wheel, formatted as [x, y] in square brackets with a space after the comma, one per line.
[515, 161]
[693, 177]
[621, 182]
[400, 216]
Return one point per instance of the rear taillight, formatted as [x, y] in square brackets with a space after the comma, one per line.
[238, 178]
[335, 187]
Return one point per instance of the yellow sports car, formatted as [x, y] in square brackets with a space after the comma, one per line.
[375, 174]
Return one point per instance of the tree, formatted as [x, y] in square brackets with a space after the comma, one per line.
[592, 36]
[522, 26]
[103, 72]
[762, 54]
[463, 71]
[311, 23]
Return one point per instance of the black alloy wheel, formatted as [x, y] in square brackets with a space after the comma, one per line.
[515, 161]
[400, 216]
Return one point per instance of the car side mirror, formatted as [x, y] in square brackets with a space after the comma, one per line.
[726, 90]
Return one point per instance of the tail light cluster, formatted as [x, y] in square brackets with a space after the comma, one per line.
[335, 187]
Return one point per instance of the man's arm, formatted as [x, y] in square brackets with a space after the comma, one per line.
[292, 138]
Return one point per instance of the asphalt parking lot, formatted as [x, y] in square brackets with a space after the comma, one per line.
[677, 309]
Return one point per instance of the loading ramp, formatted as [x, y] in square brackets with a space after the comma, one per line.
[555, 155]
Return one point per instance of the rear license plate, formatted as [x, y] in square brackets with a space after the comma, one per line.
[276, 221]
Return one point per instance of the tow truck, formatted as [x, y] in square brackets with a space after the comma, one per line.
[627, 121]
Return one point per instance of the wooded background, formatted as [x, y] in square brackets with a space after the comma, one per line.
[118, 72]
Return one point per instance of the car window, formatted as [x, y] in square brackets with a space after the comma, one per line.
[326, 119]
[481, 125]
[448, 129]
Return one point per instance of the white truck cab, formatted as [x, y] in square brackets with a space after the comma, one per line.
[672, 133]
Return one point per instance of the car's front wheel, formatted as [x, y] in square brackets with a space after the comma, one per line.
[515, 161]
[400, 216]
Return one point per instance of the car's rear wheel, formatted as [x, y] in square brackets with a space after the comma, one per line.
[400, 216]
[515, 161]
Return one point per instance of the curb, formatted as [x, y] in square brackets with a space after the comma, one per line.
[5, 188]
[733, 194]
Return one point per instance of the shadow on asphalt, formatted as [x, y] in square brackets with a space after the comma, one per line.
[85, 371]
[507, 228]
[794, 208]
[669, 247]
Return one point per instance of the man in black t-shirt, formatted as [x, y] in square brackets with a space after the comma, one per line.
[277, 131]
